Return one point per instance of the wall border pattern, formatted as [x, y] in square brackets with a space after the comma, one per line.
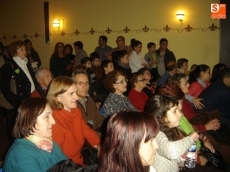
[126, 30]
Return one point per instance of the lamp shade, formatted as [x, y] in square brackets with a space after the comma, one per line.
[56, 23]
[180, 15]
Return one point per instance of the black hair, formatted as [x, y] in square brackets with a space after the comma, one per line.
[163, 40]
[104, 38]
[105, 63]
[150, 44]
[142, 70]
[93, 56]
[70, 47]
[196, 72]
[216, 71]
[134, 43]
[224, 73]
[84, 60]
[79, 44]
[181, 61]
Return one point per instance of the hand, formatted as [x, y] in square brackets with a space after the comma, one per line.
[213, 125]
[143, 64]
[194, 136]
[197, 103]
[203, 161]
[208, 145]
[98, 149]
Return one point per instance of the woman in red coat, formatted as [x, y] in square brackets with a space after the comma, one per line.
[70, 130]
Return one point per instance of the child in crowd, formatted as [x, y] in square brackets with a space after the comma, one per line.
[199, 80]
[96, 64]
[101, 93]
[182, 65]
[85, 61]
[151, 58]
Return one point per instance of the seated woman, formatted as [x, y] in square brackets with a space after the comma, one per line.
[136, 96]
[70, 130]
[180, 80]
[33, 149]
[130, 143]
[116, 83]
[173, 142]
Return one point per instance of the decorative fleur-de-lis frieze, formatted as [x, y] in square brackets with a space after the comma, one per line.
[36, 35]
[92, 31]
[145, 29]
[24, 36]
[76, 32]
[126, 30]
[4, 37]
[213, 27]
[108, 31]
[189, 28]
[166, 28]
[14, 36]
[62, 33]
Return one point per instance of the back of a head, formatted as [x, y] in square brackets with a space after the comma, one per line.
[125, 132]
[79, 44]
[171, 89]
[225, 73]
[170, 66]
[216, 71]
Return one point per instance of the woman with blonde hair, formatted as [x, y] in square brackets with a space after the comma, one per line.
[70, 130]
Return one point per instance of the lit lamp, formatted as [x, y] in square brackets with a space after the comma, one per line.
[56, 24]
[180, 15]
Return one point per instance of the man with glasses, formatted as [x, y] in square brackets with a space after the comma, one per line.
[85, 103]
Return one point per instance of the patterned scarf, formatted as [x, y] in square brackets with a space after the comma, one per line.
[45, 144]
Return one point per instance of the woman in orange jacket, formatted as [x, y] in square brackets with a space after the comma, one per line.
[70, 130]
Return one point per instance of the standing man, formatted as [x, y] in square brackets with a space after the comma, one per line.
[80, 53]
[103, 49]
[165, 56]
[85, 103]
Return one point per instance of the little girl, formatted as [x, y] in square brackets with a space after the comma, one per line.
[199, 80]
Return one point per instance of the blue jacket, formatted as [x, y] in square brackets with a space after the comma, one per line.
[26, 156]
[217, 96]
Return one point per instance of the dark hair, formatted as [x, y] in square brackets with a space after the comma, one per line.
[28, 112]
[27, 40]
[193, 66]
[163, 40]
[84, 60]
[143, 70]
[125, 132]
[170, 66]
[216, 71]
[111, 78]
[55, 53]
[133, 79]
[118, 55]
[134, 43]
[181, 61]
[70, 47]
[14, 46]
[197, 71]
[150, 44]
[158, 106]
[79, 44]
[105, 63]
[171, 89]
[93, 56]
[177, 77]
[1, 45]
[104, 38]
[224, 73]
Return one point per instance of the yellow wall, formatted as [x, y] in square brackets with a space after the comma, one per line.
[27, 17]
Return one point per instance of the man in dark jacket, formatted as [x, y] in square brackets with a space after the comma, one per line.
[217, 96]
[165, 56]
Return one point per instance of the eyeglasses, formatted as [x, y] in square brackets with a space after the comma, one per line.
[82, 83]
[141, 80]
[122, 81]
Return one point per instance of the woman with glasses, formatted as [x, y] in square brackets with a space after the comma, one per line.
[59, 61]
[136, 96]
[116, 83]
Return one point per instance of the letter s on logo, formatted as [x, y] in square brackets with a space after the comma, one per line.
[215, 8]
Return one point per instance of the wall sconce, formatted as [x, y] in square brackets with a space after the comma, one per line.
[180, 15]
[58, 23]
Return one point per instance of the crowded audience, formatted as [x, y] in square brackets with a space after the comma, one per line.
[138, 113]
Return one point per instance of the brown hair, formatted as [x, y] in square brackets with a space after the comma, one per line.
[133, 79]
[28, 112]
[111, 78]
[171, 89]
[14, 46]
[58, 86]
[120, 149]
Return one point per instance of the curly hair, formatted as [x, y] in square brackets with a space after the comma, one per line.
[111, 78]
[14, 46]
